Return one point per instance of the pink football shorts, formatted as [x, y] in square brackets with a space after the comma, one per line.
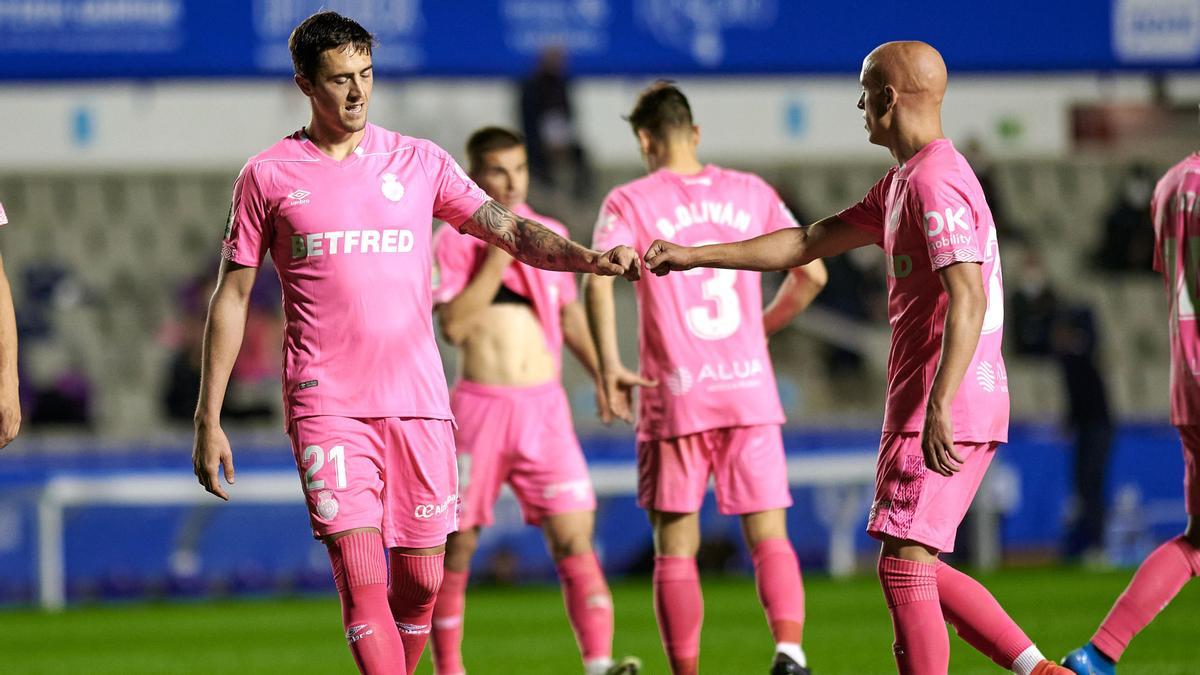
[747, 463]
[390, 473]
[916, 504]
[1190, 436]
[522, 436]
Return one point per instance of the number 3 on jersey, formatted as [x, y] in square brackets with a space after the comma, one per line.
[316, 455]
[721, 315]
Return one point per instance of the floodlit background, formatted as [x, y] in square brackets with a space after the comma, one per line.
[123, 124]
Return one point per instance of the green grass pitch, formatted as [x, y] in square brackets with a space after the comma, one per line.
[524, 630]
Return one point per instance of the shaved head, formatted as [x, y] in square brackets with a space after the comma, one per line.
[914, 68]
[903, 84]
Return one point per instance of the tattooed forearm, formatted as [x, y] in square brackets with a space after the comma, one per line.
[528, 241]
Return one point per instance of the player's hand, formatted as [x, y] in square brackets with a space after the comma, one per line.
[498, 256]
[663, 257]
[602, 410]
[618, 393]
[620, 261]
[211, 452]
[10, 413]
[937, 442]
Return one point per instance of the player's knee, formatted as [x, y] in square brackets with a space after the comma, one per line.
[358, 558]
[462, 544]
[414, 590]
[564, 545]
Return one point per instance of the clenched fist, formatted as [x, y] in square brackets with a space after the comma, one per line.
[620, 261]
[663, 257]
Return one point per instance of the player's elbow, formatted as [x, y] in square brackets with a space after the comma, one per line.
[814, 275]
[452, 327]
[969, 301]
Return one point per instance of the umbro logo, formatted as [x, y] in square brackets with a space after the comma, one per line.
[299, 197]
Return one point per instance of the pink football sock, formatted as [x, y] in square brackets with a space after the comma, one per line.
[922, 645]
[978, 618]
[448, 623]
[414, 588]
[360, 574]
[780, 589]
[589, 604]
[1157, 581]
[679, 607]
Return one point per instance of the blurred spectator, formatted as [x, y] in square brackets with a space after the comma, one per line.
[548, 123]
[1032, 309]
[1075, 343]
[985, 172]
[1128, 241]
[55, 389]
[1043, 325]
[253, 384]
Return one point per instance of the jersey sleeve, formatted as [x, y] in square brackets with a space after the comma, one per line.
[456, 197]
[3, 216]
[949, 218]
[868, 214]
[612, 227]
[453, 263]
[779, 216]
[1156, 214]
[248, 229]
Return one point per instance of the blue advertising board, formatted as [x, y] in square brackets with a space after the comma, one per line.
[56, 39]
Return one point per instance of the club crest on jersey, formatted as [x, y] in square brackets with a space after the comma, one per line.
[391, 187]
[327, 506]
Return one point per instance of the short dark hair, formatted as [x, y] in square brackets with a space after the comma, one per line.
[660, 109]
[321, 32]
[490, 139]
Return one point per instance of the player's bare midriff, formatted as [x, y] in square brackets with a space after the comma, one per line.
[506, 347]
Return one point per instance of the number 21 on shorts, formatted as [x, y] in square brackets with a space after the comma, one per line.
[315, 458]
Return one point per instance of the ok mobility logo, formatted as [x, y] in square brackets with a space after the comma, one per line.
[944, 229]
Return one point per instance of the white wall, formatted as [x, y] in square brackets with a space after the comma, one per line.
[131, 126]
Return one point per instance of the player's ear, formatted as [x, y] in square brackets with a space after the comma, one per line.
[889, 98]
[303, 83]
[696, 134]
[645, 141]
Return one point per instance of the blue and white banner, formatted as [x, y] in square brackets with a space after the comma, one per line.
[56, 39]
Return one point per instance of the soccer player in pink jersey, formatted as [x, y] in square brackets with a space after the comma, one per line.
[947, 399]
[345, 210]
[1175, 212]
[509, 321]
[10, 398]
[709, 405]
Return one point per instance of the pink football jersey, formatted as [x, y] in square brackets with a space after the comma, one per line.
[931, 213]
[700, 333]
[351, 243]
[1175, 211]
[3, 216]
[457, 257]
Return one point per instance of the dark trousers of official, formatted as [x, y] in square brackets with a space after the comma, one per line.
[1093, 448]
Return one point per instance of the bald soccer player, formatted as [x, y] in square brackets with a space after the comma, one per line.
[947, 399]
[1175, 212]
